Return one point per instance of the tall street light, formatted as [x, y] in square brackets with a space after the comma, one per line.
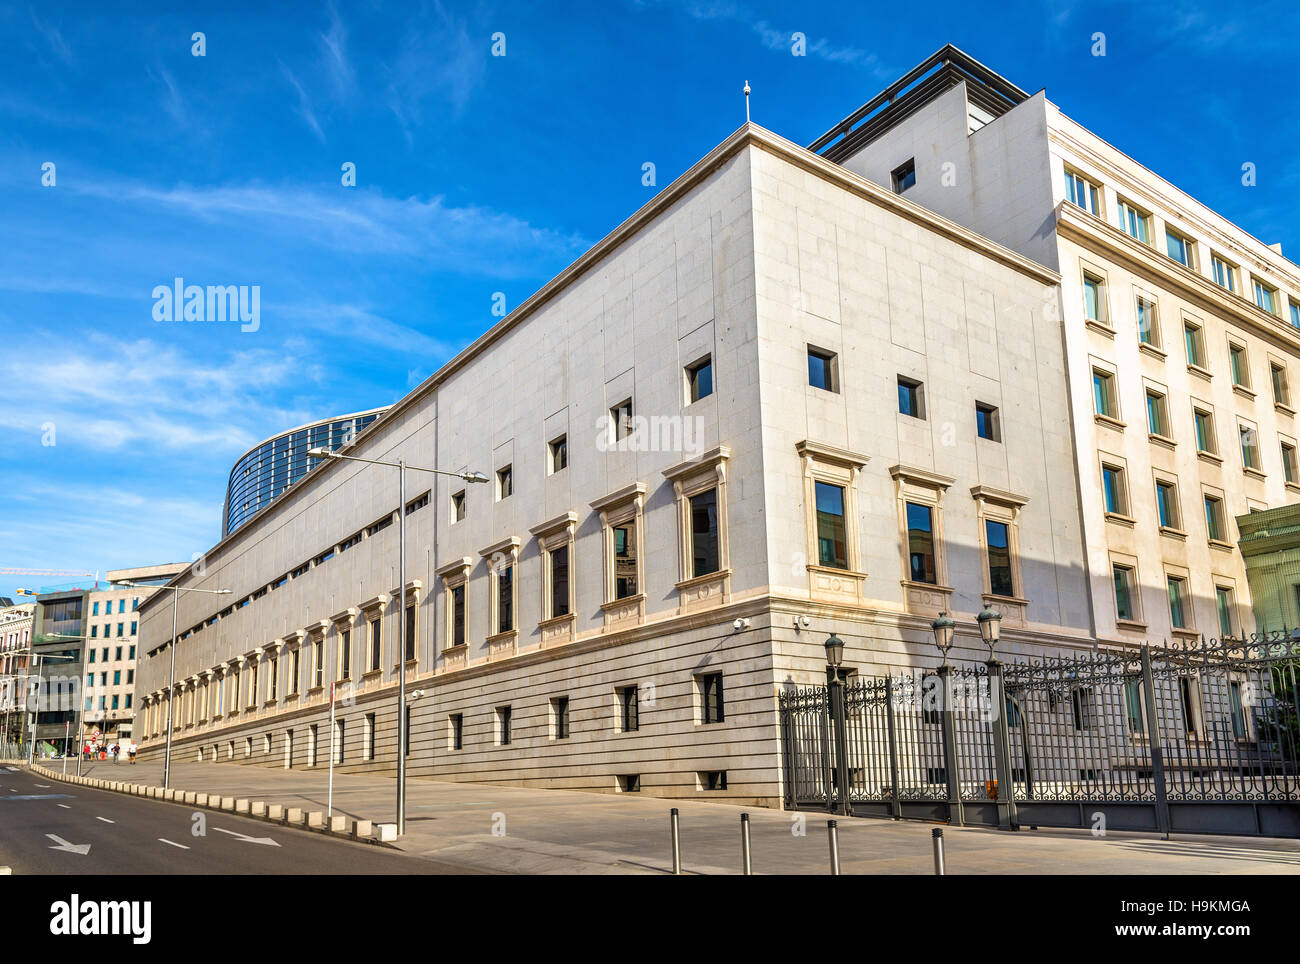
[171, 672]
[401, 466]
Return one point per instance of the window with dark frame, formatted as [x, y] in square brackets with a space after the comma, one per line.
[699, 379]
[457, 506]
[457, 721]
[823, 370]
[376, 656]
[503, 725]
[903, 176]
[560, 716]
[625, 563]
[629, 715]
[832, 539]
[410, 633]
[458, 615]
[559, 453]
[920, 544]
[987, 423]
[910, 399]
[505, 599]
[559, 557]
[711, 702]
[621, 418]
[704, 533]
[998, 536]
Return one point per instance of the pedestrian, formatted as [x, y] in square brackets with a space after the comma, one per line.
[117, 749]
[130, 752]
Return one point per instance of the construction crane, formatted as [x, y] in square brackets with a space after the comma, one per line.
[12, 571]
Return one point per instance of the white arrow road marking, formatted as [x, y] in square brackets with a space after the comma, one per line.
[61, 844]
[247, 839]
[181, 845]
[105, 819]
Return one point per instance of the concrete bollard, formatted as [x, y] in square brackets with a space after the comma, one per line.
[275, 812]
[228, 803]
[293, 816]
[257, 808]
[937, 836]
[338, 824]
[169, 794]
[385, 832]
[190, 796]
[200, 799]
[241, 806]
[361, 829]
[316, 819]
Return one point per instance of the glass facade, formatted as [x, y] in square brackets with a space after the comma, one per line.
[263, 473]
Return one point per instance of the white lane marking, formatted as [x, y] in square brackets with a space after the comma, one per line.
[71, 848]
[181, 845]
[43, 786]
[266, 841]
[65, 806]
[105, 819]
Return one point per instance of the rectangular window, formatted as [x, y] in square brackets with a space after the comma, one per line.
[560, 717]
[368, 738]
[376, 646]
[1295, 313]
[704, 533]
[505, 599]
[456, 725]
[1094, 299]
[1177, 602]
[318, 663]
[1189, 699]
[1180, 248]
[1167, 505]
[457, 506]
[1289, 463]
[1223, 602]
[559, 581]
[1157, 414]
[1205, 438]
[340, 729]
[621, 419]
[699, 380]
[910, 401]
[1123, 578]
[1194, 340]
[920, 544]
[1083, 708]
[1134, 222]
[987, 423]
[458, 616]
[1215, 526]
[94, 634]
[711, 702]
[1240, 726]
[503, 725]
[629, 716]
[505, 483]
[1081, 192]
[1240, 365]
[1249, 447]
[345, 655]
[1112, 484]
[1281, 390]
[1265, 296]
[1103, 393]
[1148, 322]
[625, 562]
[903, 176]
[823, 370]
[1225, 274]
[559, 453]
[999, 545]
[832, 540]
[410, 633]
[94, 609]
[406, 728]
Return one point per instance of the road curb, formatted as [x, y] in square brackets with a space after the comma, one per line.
[341, 827]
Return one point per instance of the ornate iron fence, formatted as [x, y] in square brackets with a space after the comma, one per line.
[1197, 736]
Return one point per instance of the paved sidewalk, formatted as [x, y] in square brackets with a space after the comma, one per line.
[572, 832]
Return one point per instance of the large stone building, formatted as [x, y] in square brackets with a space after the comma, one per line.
[784, 398]
[15, 655]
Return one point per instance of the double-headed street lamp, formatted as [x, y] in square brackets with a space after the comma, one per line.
[401, 466]
[171, 672]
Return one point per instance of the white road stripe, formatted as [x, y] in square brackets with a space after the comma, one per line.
[65, 806]
[105, 819]
[181, 845]
[43, 786]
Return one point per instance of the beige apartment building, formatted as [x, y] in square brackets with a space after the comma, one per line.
[1181, 331]
[779, 401]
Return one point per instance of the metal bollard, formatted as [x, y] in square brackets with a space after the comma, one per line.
[937, 835]
[833, 831]
[744, 844]
[677, 844]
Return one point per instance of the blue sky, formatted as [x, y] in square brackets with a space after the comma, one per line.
[475, 175]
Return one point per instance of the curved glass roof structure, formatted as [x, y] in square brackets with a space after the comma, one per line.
[263, 472]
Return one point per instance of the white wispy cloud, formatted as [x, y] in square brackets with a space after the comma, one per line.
[304, 108]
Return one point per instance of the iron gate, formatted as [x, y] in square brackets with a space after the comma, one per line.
[1195, 737]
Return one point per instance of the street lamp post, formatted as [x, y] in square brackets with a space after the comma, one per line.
[171, 671]
[401, 466]
[835, 693]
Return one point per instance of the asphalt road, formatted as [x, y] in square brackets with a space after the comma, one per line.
[101, 832]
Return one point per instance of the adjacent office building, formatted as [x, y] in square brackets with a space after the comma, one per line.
[801, 391]
[262, 474]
